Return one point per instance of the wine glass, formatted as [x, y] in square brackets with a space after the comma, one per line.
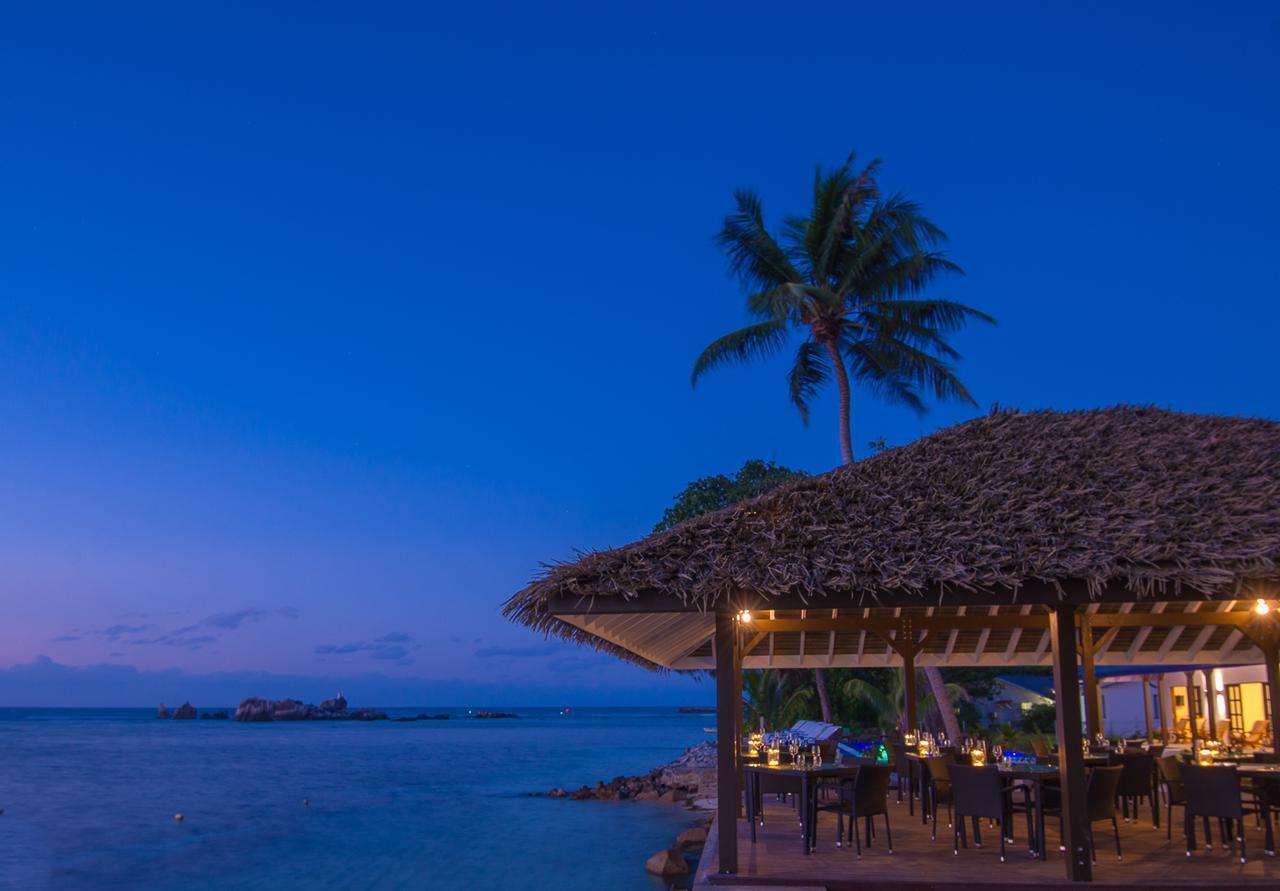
[997, 752]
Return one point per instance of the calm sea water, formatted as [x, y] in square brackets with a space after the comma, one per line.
[89, 797]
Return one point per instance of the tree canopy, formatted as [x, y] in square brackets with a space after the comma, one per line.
[711, 493]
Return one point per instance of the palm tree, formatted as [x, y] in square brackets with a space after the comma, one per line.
[765, 697]
[850, 280]
[889, 703]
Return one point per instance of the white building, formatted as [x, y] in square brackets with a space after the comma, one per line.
[1238, 696]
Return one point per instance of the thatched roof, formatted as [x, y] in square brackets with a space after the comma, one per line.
[1152, 500]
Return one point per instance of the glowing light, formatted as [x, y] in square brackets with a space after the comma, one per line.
[1261, 607]
[744, 616]
[1222, 706]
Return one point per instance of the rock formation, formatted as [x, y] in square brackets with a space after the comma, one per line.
[257, 709]
[186, 711]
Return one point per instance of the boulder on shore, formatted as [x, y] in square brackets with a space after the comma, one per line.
[694, 837]
[667, 863]
[162, 712]
[186, 711]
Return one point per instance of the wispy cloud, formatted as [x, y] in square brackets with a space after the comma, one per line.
[192, 637]
[394, 646]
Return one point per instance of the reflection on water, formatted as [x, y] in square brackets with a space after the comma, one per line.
[89, 798]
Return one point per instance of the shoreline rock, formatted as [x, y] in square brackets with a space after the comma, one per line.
[691, 776]
[185, 712]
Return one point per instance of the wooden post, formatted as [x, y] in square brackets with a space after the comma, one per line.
[1075, 825]
[1146, 703]
[1272, 655]
[909, 686]
[738, 655]
[1211, 700]
[1192, 707]
[1160, 712]
[727, 740]
[1092, 711]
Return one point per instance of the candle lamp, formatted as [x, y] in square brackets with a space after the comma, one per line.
[774, 756]
[978, 756]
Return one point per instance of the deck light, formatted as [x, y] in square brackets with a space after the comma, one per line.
[744, 616]
[1261, 607]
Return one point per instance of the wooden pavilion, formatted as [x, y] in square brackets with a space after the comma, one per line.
[1073, 539]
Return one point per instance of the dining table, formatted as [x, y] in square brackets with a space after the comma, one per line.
[808, 778]
[1266, 780]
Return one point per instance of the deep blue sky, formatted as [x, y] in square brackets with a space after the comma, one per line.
[321, 325]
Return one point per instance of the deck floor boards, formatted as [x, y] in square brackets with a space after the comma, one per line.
[917, 863]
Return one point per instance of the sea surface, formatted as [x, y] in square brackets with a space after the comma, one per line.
[89, 797]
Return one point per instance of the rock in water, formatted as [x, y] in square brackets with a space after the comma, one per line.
[692, 838]
[667, 863]
[334, 705]
[185, 711]
[162, 712]
[255, 709]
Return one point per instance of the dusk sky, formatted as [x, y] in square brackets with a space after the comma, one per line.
[322, 326]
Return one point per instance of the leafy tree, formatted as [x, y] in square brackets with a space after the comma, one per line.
[711, 493]
[888, 700]
[1040, 718]
[849, 280]
[767, 696]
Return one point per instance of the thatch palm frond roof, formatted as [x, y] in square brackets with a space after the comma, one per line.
[1153, 500]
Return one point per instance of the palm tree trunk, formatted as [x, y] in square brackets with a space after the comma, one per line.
[842, 384]
[824, 697]
[933, 675]
[946, 708]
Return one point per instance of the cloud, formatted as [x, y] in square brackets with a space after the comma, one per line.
[394, 646]
[111, 633]
[44, 682]
[192, 637]
[515, 652]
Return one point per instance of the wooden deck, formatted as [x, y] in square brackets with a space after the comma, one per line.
[918, 863]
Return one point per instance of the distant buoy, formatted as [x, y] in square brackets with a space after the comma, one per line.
[177, 818]
[306, 802]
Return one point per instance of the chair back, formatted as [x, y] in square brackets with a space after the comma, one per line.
[1100, 794]
[977, 791]
[939, 768]
[1212, 791]
[1138, 769]
[871, 790]
[1040, 748]
[899, 752]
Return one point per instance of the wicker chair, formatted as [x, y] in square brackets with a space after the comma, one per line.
[863, 797]
[1215, 792]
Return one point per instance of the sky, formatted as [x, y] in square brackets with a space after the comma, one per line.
[323, 327]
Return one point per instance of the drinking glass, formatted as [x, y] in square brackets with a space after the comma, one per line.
[997, 751]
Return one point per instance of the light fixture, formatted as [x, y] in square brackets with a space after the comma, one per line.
[1261, 607]
[744, 616]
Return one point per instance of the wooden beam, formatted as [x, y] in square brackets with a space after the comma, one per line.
[909, 688]
[726, 741]
[1143, 633]
[1075, 819]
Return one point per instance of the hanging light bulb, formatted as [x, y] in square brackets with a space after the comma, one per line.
[744, 616]
[1261, 607]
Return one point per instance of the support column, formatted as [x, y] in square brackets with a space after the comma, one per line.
[909, 686]
[738, 655]
[1075, 825]
[1272, 655]
[1146, 703]
[1211, 701]
[1193, 709]
[1092, 709]
[1160, 712]
[727, 740]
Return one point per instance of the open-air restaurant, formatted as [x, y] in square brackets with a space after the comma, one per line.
[1133, 542]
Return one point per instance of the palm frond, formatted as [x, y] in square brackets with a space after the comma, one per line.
[757, 341]
[754, 256]
[809, 372]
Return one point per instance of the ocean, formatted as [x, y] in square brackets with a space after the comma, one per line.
[89, 797]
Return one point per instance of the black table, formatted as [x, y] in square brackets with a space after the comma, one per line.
[808, 778]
